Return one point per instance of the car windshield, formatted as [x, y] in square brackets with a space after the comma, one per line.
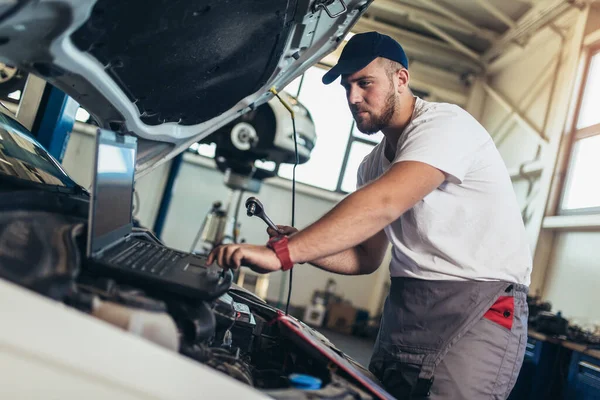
[23, 157]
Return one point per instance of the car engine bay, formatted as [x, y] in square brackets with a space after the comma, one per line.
[237, 333]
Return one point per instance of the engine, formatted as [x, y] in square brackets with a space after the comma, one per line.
[237, 334]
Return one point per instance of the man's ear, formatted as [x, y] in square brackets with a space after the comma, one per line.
[402, 77]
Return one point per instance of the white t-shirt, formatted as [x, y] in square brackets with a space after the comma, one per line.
[470, 227]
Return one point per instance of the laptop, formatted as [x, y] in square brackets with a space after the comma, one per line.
[114, 249]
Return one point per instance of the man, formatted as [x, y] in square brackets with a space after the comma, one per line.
[437, 189]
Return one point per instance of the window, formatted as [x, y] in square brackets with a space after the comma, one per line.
[373, 138]
[589, 114]
[340, 146]
[358, 151]
[333, 123]
[581, 191]
[293, 87]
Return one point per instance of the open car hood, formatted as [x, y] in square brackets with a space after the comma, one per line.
[171, 71]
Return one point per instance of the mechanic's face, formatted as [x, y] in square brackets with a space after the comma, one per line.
[372, 97]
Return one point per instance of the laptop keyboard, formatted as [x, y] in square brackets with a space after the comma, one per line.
[142, 256]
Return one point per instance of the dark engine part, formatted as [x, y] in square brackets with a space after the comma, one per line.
[109, 290]
[196, 323]
[236, 334]
[550, 324]
[38, 251]
[236, 324]
[221, 360]
[536, 305]
[220, 336]
[265, 133]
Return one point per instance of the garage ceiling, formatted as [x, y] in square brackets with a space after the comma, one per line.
[449, 40]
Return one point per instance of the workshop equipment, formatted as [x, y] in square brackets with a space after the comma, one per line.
[314, 315]
[264, 134]
[316, 312]
[217, 228]
[341, 317]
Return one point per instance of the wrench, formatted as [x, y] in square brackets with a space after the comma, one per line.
[255, 208]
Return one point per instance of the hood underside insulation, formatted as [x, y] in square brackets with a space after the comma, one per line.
[187, 61]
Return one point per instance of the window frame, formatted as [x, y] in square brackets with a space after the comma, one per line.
[351, 140]
[576, 136]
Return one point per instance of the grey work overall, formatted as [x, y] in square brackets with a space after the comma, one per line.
[450, 339]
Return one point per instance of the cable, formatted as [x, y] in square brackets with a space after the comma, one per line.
[296, 160]
[7, 109]
[136, 198]
[235, 217]
[287, 304]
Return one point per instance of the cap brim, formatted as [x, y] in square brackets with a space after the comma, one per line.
[344, 68]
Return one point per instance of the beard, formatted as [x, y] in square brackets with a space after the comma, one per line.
[371, 123]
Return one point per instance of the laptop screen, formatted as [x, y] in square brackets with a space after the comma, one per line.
[112, 190]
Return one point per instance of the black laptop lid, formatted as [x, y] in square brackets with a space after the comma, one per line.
[112, 190]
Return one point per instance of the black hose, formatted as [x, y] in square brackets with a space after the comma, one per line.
[235, 217]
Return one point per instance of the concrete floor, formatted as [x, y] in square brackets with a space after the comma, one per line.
[358, 348]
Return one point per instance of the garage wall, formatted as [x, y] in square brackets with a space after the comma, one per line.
[78, 162]
[526, 84]
[573, 276]
[198, 186]
[573, 266]
[567, 277]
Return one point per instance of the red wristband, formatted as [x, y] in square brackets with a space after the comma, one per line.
[279, 244]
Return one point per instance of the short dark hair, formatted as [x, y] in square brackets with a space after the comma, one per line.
[391, 67]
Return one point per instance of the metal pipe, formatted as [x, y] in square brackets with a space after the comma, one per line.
[387, 7]
[572, 222]
[591, 38]
[530, 168]
[452, 41]
[496, 13]
[518, 115]
[536, 18]
[420, 47]
[553, 84]
[443, 10]
[407, 38]
[532, 93]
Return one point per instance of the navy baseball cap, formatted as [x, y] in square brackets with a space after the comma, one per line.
[363, 48]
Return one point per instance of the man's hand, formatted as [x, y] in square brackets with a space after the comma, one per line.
[283, 230]
[259, 258]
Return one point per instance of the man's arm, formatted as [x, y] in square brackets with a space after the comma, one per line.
[359, 217]
[362, 259]
[365, 213]
[359, 260]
